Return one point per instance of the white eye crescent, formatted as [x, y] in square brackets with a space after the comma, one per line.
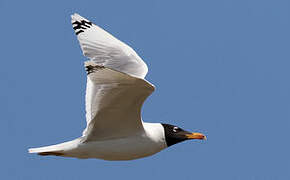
[175, 129]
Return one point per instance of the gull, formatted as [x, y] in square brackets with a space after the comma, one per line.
[116, 90]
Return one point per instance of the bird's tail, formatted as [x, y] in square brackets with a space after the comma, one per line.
[56, 150]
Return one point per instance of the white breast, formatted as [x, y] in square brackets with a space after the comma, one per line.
[151, 141]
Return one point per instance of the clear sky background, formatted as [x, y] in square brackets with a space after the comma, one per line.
[219, 67]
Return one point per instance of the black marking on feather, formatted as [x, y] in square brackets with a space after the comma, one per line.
[54, 153]
[91, 69]
[80, 31]
[80, 25]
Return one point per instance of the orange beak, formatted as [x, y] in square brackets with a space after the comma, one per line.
[196, 136]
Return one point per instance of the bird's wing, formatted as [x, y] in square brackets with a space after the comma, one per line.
[105, 50]
[113, 103]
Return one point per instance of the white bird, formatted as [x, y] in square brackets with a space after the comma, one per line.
[116, 90]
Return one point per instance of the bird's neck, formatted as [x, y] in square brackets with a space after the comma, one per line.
[155, 131]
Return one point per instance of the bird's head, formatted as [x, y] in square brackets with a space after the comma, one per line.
[174, 134]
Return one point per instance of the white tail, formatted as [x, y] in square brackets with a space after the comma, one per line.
[56, 150]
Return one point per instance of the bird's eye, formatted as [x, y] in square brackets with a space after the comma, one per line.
[175, 129]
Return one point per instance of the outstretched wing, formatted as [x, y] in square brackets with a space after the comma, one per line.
[113, 103]
[105, 50]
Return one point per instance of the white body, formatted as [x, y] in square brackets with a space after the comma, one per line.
[140, 145]
[146, 143]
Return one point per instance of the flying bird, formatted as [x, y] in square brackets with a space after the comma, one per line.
[116, 89]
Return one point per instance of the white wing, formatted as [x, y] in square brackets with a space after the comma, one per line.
[113, 103]
[105, 50]
[116, 89]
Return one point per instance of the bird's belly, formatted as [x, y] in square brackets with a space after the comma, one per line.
[118, 149]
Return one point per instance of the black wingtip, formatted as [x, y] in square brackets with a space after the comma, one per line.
[80, 25]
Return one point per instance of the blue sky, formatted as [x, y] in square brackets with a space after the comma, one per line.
[219, 67]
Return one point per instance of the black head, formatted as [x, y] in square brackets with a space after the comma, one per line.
[174, 134]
